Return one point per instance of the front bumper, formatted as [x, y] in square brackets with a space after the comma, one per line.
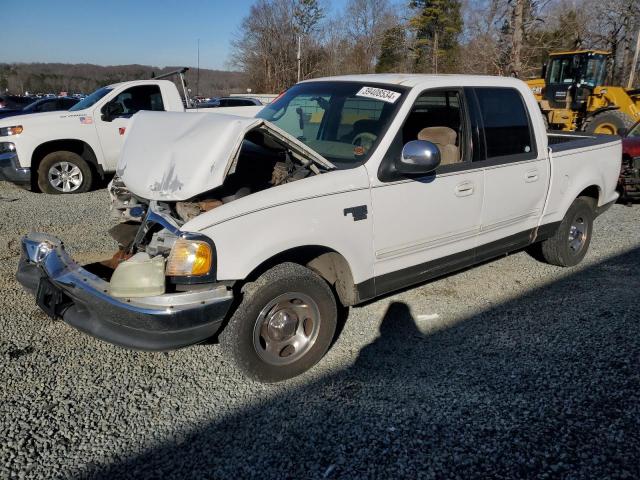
[163, 322]
[11, 170]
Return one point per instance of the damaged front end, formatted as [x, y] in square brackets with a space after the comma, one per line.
[159, 291]
[64, 289]
[186, 173]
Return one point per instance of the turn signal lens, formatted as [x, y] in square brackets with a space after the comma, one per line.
[189, 257]
[8, 131]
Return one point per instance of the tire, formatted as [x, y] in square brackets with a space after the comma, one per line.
[64, 173]
[608, 122]
[261, 333]
[568, 246]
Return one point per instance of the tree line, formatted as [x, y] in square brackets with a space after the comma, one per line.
[18, 78]
[494, 37]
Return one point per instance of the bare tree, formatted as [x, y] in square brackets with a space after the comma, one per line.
[368, 20]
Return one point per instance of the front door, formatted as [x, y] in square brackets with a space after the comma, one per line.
[426, 226]
[111, 131]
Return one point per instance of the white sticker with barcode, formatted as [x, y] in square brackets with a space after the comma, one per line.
[388, 96]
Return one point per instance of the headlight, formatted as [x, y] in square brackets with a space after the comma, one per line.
[8, 131]
[7, 147]
[189, 257]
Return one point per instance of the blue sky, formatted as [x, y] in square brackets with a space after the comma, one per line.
[149, 32]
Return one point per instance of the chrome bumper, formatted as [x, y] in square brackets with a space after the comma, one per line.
[11, 170]
[65, 290]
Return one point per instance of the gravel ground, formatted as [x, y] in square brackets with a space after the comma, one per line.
[512, 369]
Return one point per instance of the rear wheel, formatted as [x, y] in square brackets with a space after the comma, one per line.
[608, 123]
[571, 241]
[64, 172]
[284, 324]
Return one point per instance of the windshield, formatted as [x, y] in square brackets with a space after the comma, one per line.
[91, 99]
[635, 131]
[342, 121]
[561, 70]
[32, 106]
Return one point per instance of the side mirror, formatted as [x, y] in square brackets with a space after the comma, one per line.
[543, 72]
[418, 157]
[111, 111]
[623, 132]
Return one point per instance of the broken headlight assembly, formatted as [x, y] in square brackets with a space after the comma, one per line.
[191, 260]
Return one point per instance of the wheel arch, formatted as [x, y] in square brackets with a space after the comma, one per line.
[326, 262]
[592, 191]
[79, 147]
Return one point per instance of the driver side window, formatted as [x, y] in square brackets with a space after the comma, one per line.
[436, 117]
[143, 97]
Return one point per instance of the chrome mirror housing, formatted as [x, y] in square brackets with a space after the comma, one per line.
[418, 157]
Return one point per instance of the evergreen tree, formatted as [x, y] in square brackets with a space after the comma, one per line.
[437, 25]
[392, 50]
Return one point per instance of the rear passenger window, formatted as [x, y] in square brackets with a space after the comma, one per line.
[506, 124]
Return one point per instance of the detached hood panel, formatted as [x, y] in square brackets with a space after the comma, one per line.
[176, 156]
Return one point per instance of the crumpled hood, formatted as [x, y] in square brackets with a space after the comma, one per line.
[176, 156]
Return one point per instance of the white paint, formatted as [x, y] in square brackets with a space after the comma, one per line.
[408, 222]
[175, 156]
[103, 137]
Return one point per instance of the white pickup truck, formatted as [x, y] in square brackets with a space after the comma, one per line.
[341, 190]
[64, 152]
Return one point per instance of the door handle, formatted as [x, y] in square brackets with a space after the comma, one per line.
[464, 189]
[531, 176]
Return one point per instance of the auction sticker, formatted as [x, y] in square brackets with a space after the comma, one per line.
[388, 96]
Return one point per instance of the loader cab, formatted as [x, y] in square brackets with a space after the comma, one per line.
[570, 77]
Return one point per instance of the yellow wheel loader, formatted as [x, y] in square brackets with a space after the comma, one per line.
[574, 96]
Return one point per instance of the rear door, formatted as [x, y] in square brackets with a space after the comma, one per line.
[516, 175]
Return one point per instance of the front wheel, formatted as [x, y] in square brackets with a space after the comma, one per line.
[64, 172]
[284, 324]
[609, 122]
[571, 241]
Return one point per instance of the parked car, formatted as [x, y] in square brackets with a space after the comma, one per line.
[13, 103]
[63, 153]
[629, 182]
[355, 187]
[231, 102]
[43, 105]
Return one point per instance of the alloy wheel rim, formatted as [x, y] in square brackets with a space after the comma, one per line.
[577, 235]
[286, 328]
[65, 177]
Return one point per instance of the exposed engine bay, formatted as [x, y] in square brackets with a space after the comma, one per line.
[263, 162]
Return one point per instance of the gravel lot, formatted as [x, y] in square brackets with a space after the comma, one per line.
[512, 369]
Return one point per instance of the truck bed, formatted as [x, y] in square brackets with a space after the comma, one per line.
[561, 141]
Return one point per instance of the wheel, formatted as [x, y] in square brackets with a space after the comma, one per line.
[284, 324]
[64, 172]
[571, 241]
[608, 122]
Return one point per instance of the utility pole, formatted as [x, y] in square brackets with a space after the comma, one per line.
[198, 73]
[299, 57]
[634, 63]
[435, 52]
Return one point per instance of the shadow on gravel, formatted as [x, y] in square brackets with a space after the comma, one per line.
[546, 385]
